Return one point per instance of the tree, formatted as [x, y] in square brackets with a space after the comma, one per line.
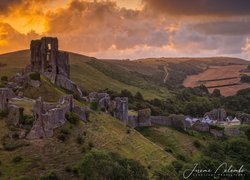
[216, 93]
[138, 96]
[102, 165]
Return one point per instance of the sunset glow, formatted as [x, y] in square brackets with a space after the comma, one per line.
[130, 28]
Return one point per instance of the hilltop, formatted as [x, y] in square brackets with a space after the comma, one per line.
[159, 140]
[148, 76]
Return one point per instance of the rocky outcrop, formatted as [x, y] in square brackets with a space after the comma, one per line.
[81, 112]
[13, 115]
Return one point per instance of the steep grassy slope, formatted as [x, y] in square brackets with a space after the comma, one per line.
[102, 132]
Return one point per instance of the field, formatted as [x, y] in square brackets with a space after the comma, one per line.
[225, 78]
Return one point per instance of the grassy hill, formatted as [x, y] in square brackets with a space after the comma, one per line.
[101, 132]
[144, 75]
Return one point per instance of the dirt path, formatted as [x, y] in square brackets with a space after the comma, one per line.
[167, 73]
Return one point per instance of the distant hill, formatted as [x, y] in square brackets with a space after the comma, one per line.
[149, 76]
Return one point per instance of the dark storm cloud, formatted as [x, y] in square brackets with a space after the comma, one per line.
[6, 4]
[100, 25]
[223, 28]
[200, 7]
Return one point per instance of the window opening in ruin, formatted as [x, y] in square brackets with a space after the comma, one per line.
[7, 100]
[49, 46]
[48, 56]
[57, 70]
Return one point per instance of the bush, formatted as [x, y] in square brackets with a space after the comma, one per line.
[167, 172]
[103, 165]
[11, 146]
[3, 113]
[35, 76]
[91, 145]
[64, 134]
[17, 159]
[4, 78]
[197, 144]
[94, 106]
[79, 140]
[28, 120]
[73, 118]
[50, 176]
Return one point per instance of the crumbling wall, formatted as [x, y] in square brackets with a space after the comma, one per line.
[6, 95]
[121, 111]
[144, 117]
[161, 120]
[217, 114]
[50, 116]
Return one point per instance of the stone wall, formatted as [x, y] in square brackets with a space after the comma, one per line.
[217, 114]
[50, 116]
[144, 117]
[121, 110]
[161, 120]
[6, 95]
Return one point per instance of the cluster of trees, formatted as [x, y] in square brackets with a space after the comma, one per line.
[108, 165]
[189, 101]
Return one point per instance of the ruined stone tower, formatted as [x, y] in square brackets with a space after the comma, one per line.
[48, 60]
[121, 111]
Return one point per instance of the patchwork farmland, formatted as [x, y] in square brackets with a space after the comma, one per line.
[224, 78]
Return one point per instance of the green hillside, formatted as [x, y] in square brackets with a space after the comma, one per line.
[101, 132]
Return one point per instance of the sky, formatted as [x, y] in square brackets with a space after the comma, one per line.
[130, 29]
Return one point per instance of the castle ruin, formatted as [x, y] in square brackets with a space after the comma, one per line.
[48, 60]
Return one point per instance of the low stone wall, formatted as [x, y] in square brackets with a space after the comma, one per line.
[217, 133]
[161, 120]
[202, 127]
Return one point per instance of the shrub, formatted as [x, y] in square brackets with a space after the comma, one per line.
[197, 144]
[3, 113]
[17, 159]
[138, 96]
[35, 76]
[50, 176]
[73, 118]
[11, 146]
[91, 145]
[79, 139]
[28, 120]
[64, 134]
[94, 106]
[128, 131]
[4, 78]
[167, 172]
[103, 165]
[68, 168]
[168, 149]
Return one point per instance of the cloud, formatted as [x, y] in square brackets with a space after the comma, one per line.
[12, 40]
[5, 5]
[239, 27]
[98, 26]
[200, 7]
